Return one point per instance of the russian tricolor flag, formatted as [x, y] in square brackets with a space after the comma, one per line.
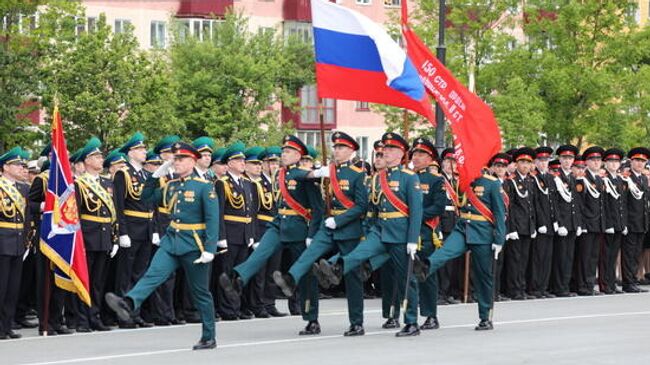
[357, 60]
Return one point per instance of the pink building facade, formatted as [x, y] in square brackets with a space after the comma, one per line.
[152, 21]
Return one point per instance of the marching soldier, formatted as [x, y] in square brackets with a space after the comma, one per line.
[450, 275]
[98, 218]
[590, 187]
[433, 192]
[615, 211]
[542, 246]
[340, 231]
[638, 218]
[14, 227]
[237, 231]
[135, 221]
[267, 211]
[521, 223]
[190, 241]
[397, 231]
[567, 220]
[205, 145]
[299, 216]
[481, 229]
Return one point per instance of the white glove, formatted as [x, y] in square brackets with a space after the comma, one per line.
[255, 245]
[514, 236]
[222, 244]
[42, 206]
[562, 232]
[580, 232]
[411, 249]
[556, 226]
[610, 230]
[497, 249]
[155, 239]
[307, 241]
[125, 241]
[205, 258]
[624, 231]
[330, 223]
[114, 251]
[542, 230]
[324, 171]
[163, 169]
[250, 242]
[532, 236]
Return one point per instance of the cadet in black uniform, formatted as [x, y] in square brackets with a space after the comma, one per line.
[521, 223]
[615, 210]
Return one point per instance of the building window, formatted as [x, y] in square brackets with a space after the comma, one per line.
[158, 34]
[309, 107]
[362, 106]
[266, 30]
[200, 29]
[392, 3]
[91, 24]
[121, 25]
[364, 2]
[302, 30]
[363, 148]
[312, 138]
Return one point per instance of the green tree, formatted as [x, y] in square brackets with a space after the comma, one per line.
[228, 82]
[107, 87]
[23, 47]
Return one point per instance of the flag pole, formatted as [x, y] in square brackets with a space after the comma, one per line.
[325, 183]
[440, 54]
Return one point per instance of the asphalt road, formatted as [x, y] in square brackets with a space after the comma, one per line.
[583, 330]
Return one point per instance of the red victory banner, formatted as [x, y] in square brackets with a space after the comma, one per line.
[475, 131]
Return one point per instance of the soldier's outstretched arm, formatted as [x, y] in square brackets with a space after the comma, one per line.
[152, 193]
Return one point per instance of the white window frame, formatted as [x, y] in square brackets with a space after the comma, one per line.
[158, 34]
[392, 3]
[303, 30]
[363, 2]
[122, 23]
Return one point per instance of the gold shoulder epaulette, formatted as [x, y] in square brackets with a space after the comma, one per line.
[224, 178]
[356, 168]
[408, 171]
[305, 168]
[200, 180]
[489, 177]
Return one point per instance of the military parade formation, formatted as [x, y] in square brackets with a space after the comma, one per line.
[191, 233]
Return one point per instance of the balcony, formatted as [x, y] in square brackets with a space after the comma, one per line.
[203, 8]
[298, 10]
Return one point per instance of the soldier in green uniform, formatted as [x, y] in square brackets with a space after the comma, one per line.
[397, 230]
[190, 241]
[423, 154]
[299, 216]
[480, 229]
[341, 231]
[218, 169]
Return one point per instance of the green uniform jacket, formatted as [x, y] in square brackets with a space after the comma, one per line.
[488, 189]
[433, 201]
[406, 186]
[305, 190]
[193, 201]
[352, 182]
